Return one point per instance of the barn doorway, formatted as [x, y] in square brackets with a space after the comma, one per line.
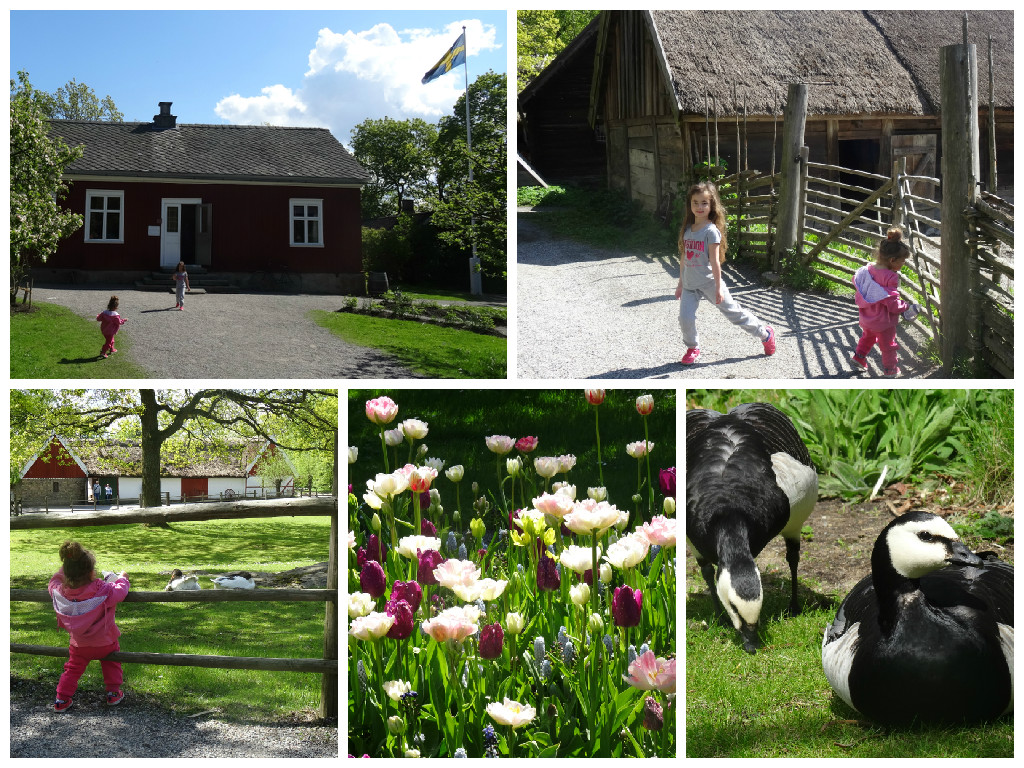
[860, 155]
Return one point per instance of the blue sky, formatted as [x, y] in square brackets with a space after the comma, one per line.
[328, 69]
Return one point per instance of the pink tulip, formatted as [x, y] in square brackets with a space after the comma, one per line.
[381, 410]
[454, 572]
[452, 624]
[650, 673]
[594, 396]
[526, 444]
[421, 478]
[626, 606]
[557, 505]
[661, 531]
[644, 405]
[667, 481]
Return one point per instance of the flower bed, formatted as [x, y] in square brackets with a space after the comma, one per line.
[480, 630]
[479, 319]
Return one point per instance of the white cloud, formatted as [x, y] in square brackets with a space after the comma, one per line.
[352, 76]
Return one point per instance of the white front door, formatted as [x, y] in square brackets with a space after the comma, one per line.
[170, 229]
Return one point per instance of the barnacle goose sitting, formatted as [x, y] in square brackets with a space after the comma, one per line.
[180, 583]
[917, 641]
[749, 478]
[234, 580]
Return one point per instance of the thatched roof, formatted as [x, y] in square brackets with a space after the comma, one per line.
[856, 62]
[124, 459]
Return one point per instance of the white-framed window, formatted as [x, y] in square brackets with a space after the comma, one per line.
[306, 222]
[104, 216]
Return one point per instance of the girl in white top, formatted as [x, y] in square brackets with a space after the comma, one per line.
[702, 245]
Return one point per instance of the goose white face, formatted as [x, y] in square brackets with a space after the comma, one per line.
[919, 547]
[741, 611]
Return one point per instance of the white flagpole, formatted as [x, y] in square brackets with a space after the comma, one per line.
[475, 282]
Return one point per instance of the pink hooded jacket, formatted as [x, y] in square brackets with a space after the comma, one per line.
[110, 322]
[879, 304]
[87, 612]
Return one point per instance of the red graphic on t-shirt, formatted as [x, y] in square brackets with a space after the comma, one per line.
[694, 249]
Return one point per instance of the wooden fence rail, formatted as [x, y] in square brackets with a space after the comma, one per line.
[327, 666]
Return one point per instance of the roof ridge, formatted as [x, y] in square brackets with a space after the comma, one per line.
[191, 125]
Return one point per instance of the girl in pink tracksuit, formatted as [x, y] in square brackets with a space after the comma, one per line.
[110, 324]
[85, 607]
[880, 305]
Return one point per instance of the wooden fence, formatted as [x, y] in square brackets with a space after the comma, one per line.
[326, 666]
[991, 244]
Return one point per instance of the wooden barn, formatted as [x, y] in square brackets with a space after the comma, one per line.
[873, 82]
[64, 471]
[229, 199]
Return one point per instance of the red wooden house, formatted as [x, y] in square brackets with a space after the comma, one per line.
[228, 198]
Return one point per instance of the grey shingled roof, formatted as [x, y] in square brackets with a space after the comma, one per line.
[228, 152]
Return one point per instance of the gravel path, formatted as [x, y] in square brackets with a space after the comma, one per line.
[585, 312]
[142, 729]
[228, 335]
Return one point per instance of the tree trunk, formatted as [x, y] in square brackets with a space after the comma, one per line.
[151, 441]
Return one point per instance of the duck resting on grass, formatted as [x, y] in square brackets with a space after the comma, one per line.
[928, 636]
[234, 580]
[749, 478]
[182, 583]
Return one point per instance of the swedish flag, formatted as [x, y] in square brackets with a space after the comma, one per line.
[456, 55]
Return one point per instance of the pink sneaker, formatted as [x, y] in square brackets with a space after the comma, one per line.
[860, 361]
[114, 698]
[691, 356]
[769, 343]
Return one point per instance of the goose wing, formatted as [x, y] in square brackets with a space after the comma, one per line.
[697, 419]
[775, 429]
[986, 586]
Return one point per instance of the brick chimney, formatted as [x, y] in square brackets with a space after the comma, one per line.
[165, 119]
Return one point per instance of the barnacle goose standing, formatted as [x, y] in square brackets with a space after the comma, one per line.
[749, 478]
[917, 641]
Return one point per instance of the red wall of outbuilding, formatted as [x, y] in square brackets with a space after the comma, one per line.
[250, 228]
[54, 462]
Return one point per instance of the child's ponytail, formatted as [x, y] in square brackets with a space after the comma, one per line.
[78, 562]
[893, 247]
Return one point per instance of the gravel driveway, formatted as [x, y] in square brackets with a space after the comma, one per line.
[586, 312]
[141, 729]
[228, 335]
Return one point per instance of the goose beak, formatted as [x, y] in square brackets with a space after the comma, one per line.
[961, 555]
[751, 642]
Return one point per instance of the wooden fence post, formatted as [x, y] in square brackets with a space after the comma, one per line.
[798, 243]
[958, 76]
[329, 681]
[789, 198]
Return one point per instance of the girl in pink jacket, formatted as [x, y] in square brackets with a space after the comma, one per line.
[110, 324]
[880, 305]
[85, 607]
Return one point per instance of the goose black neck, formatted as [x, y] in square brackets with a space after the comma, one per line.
[890, 585]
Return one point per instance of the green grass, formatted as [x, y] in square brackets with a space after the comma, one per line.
[272, 629]
[778, 703]
[52, 342]
[432, 351]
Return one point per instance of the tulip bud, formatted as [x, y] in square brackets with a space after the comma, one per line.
[605, 572]
[396, 725]
[375, 523]
[654, 718]
[455, 473]
[412, 753]
[353, 454]
[491, 640]
[514, 466]
[637, 498]
[626, 606]
[372, 579]
[422, 451]
[393, 437]
[598, 494]
[477, 527]
[669, 507]
[457, 519]
[579, 594]
[595, 624]
[514, 623]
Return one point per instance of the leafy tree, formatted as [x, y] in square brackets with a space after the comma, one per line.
[77, 101]
[398, 153]
[297, 420]
[38, 222]
[475, 212]
[541, 35]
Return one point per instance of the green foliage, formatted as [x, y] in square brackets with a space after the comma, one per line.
[38, 222]
[992, 526]
[77, 101]
[399, 154]
[541, 35]
[540, 195]
[852, 435]
[238, 629]
[443, 353]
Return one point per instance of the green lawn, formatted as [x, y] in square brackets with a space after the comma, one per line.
[432, 351]
[273, 629]
[52, 342]
[778, 703]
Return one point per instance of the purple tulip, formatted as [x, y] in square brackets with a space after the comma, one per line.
[654, 717]
[410, 591]
[428, 561]
[626, 606]
[427, 528]
[547, 574]
[372, 579]
[491, 640]
[667, 481]
[402, 612]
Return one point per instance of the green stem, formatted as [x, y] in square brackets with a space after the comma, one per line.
[594, 573]
[511, 740]
[384, 448]
[650, 488]
[597, 431]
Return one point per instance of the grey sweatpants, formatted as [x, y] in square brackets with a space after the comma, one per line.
[179, 292]
[734, 313]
